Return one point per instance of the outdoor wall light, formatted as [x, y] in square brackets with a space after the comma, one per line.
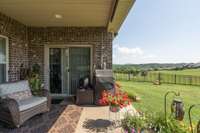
[176, 106]
[58, 16]
[177, 109]
[190, 118]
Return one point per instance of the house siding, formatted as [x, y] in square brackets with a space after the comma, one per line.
[26, 44]
[18, 45]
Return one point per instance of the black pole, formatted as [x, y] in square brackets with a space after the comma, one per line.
[165, 101]
[190, 118]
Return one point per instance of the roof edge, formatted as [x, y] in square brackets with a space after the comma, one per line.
[119, 14]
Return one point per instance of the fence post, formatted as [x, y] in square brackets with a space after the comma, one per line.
[159, 77]
[175, 79]
[129, 76]
[190, 80]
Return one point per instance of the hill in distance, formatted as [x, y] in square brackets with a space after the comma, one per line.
[159, 66]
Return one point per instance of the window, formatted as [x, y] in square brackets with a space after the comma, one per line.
[3, 59]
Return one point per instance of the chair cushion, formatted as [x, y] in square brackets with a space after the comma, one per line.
[20, 95]
[30, 102]
[7, 89]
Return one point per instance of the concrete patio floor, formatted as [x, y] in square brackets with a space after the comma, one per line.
[96, 119]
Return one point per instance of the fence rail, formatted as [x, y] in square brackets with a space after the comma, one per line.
[161, 77]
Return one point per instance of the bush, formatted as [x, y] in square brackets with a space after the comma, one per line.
[133, 123]
[154, 123]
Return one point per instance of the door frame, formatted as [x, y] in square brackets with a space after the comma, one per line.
[7, 56]
[47, 69]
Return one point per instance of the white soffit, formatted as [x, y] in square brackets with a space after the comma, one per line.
[69, 12]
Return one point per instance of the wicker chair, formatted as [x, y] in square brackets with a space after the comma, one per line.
[17, 104]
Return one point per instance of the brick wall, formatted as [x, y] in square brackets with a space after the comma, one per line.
[26, 44]
[99, 38]
[18, 45]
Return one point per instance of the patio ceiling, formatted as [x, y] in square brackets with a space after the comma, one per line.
[77, 13]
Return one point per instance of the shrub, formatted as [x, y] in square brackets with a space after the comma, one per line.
[133, 123]
[153, 122]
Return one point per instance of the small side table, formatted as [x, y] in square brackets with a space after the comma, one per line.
[85, 96]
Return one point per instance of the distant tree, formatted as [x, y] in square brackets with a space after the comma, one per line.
[144, 74]
[155, 69]
[134, 72]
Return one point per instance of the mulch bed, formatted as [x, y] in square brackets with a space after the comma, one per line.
[62, 118]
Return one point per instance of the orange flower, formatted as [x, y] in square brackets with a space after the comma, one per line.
[120, 99]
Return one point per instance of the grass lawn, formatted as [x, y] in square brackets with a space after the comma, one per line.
[152, 96]
[193, 72]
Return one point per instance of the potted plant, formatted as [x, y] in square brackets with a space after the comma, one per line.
[35, 84]
[133, 124]
[34, 80]
[115, 101]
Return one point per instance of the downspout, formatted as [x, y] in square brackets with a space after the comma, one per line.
[102, 49]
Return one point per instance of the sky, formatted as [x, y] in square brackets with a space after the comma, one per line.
[159, 31]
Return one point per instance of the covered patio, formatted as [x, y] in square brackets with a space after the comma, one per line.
[66, 40]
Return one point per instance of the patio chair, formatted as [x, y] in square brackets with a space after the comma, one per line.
[17, 104]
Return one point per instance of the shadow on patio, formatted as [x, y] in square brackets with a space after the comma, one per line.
[98, 125]
[61, 118]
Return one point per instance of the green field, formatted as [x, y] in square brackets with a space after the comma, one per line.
[152, 96]
[184, 77]
[193, 72]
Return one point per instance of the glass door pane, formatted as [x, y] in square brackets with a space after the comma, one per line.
[65, 70]
[55, 70]
[2, 73]
[3, 62]
[79, 63]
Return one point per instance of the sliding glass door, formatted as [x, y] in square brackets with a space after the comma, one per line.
[79, 66]
[65, 71]
[67, 67]
[3, 60]
[55, 70]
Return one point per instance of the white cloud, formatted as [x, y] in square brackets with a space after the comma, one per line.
[123, 55]
[130, 51]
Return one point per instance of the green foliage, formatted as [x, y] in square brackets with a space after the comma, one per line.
[133, 122]
[154, 67]
[158, 123]
[186, 77]
[144, 73]
[153, 122]
[125, 69]
[153, 97]
[36, 68]
[34, 79]
[192, 72]
[35, 84]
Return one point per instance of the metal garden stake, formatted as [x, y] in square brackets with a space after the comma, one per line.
[190, 118]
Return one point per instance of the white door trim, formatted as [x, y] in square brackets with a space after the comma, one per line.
[46, 61]
[7, 56]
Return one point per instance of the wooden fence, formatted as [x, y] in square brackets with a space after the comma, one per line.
[162, 77]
